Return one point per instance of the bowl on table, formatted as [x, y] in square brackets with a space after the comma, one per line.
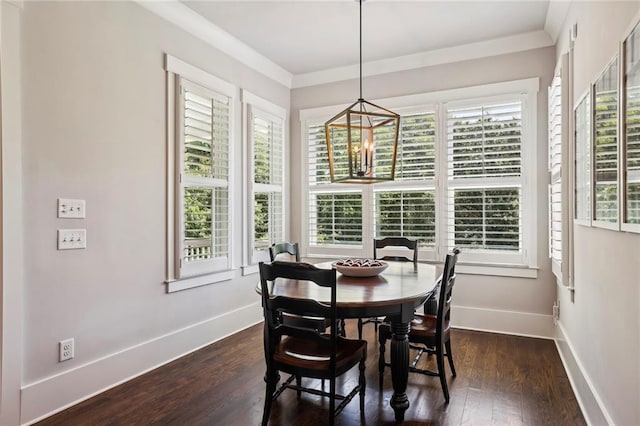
[360, 267]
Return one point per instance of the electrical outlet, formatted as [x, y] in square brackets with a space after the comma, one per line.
[71, 209]
[69, 239]
[66, 350]
[556, 311]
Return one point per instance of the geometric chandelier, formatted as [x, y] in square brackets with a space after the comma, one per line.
[362, 140]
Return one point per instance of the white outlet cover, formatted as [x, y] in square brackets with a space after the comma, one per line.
[67, 350]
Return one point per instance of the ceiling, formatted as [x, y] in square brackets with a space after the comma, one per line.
[303, 36]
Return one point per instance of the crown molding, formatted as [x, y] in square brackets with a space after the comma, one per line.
[482, 49]
[195, 24]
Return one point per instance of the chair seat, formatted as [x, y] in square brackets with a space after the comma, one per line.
[315, 355]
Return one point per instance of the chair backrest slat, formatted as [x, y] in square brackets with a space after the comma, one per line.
[396, 242]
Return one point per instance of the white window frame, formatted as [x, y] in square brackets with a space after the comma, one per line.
[527, 195]
[218, 269]
[526, 265]
[253, 106]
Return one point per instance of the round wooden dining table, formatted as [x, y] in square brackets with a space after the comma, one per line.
[395, 293]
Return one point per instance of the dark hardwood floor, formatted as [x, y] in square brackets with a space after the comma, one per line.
[502, 380]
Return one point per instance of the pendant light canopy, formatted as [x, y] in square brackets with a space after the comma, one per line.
[362, 140]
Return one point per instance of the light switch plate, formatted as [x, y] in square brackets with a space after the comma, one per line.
[71, 209]
[70, 239]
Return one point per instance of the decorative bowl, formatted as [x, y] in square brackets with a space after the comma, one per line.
[360, 267]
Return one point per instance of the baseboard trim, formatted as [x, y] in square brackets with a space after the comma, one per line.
[593, 409]
[53, 394]
[503, 322]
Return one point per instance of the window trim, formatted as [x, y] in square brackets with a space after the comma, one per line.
[176, 69]
[528, 88]
[252, 103]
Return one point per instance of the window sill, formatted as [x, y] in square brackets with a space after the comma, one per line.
[250, 270]
[498, 270]
[198, 281]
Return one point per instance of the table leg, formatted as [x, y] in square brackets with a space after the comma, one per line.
[399, 368]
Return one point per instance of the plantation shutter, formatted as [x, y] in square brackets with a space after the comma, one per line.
[317, 156]
[334, 210]
[268, 179]
[484, 143]
[555, 171]
[204, 179]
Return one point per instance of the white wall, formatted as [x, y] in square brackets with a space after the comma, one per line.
[599, 333]
[94, 98]
[511, 305]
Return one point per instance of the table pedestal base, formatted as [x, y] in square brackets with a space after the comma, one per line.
[399, 368]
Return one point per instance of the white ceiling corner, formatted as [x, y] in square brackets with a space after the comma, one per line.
[556, 15]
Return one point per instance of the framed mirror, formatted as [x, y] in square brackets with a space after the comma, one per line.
[631, 145]
[605, 147]
[582, 114]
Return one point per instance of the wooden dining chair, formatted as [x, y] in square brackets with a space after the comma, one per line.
[429, 333]
[410, 245]
[292, 249]
[305, 352]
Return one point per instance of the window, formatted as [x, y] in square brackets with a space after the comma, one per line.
[605, 139]
[631, 183]
[484, 167]
[200, 217]
[583, 161]
[463, 178]
[406, 207]
[266, 159]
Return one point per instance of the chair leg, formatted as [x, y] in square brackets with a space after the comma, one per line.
[299, 384]
[343, 328]
[375, 325]
[442, 373]
[363, 386]
[268, 397]
[381, 362]
[360, 328]
[447, 345]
